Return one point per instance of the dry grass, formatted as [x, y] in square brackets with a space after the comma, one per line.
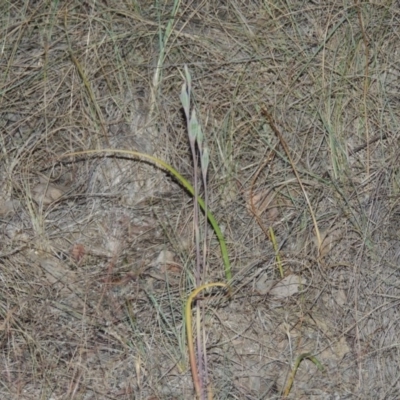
[97, 254]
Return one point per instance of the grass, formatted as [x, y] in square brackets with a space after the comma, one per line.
[103, 81]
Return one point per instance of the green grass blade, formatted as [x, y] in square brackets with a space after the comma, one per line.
[185, 183]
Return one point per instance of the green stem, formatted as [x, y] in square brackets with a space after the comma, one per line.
[185, 183]
[299, 359]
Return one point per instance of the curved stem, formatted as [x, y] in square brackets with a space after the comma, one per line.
[184, 182]
[189, 333]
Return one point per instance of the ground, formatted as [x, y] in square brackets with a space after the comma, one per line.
[299, 106]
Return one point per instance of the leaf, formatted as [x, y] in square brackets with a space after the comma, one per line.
[185, 100]
[194, 127]
[205, 160]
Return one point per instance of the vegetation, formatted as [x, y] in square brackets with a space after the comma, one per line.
[199, 199]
